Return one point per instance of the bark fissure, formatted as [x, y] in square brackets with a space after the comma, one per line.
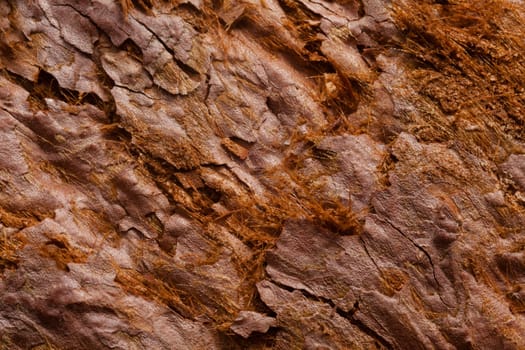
[198, 175]
[427, 255]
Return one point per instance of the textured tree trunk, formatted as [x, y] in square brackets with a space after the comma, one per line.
[288, 174]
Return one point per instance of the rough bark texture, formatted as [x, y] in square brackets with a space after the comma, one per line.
[288, 174]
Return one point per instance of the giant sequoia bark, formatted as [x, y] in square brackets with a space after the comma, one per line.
[262, 174]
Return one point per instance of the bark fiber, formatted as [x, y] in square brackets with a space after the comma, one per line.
[262, 174]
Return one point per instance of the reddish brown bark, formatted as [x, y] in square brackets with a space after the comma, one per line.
[275, 174]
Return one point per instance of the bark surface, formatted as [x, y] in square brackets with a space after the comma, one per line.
[285, 174]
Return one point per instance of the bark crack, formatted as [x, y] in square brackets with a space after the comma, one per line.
[183, 66]
[136, 92]
[364, 328]
[420, 248]
[81, 14]
[349, 315]
[368, 253]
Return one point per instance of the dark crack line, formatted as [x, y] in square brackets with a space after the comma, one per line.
[83, 15]
[188, 70]
[208, 89]
[368, 253]
[310, 296]
[426, 254]
[136, 91]
[110, 104]
[155, 35]
[12, 116]
[348, 315]
[370, 332]
[47, 18]
[86, 16]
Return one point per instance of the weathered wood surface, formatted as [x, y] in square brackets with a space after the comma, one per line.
[288, 174]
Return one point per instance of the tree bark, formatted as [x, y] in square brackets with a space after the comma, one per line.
[262, 174]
